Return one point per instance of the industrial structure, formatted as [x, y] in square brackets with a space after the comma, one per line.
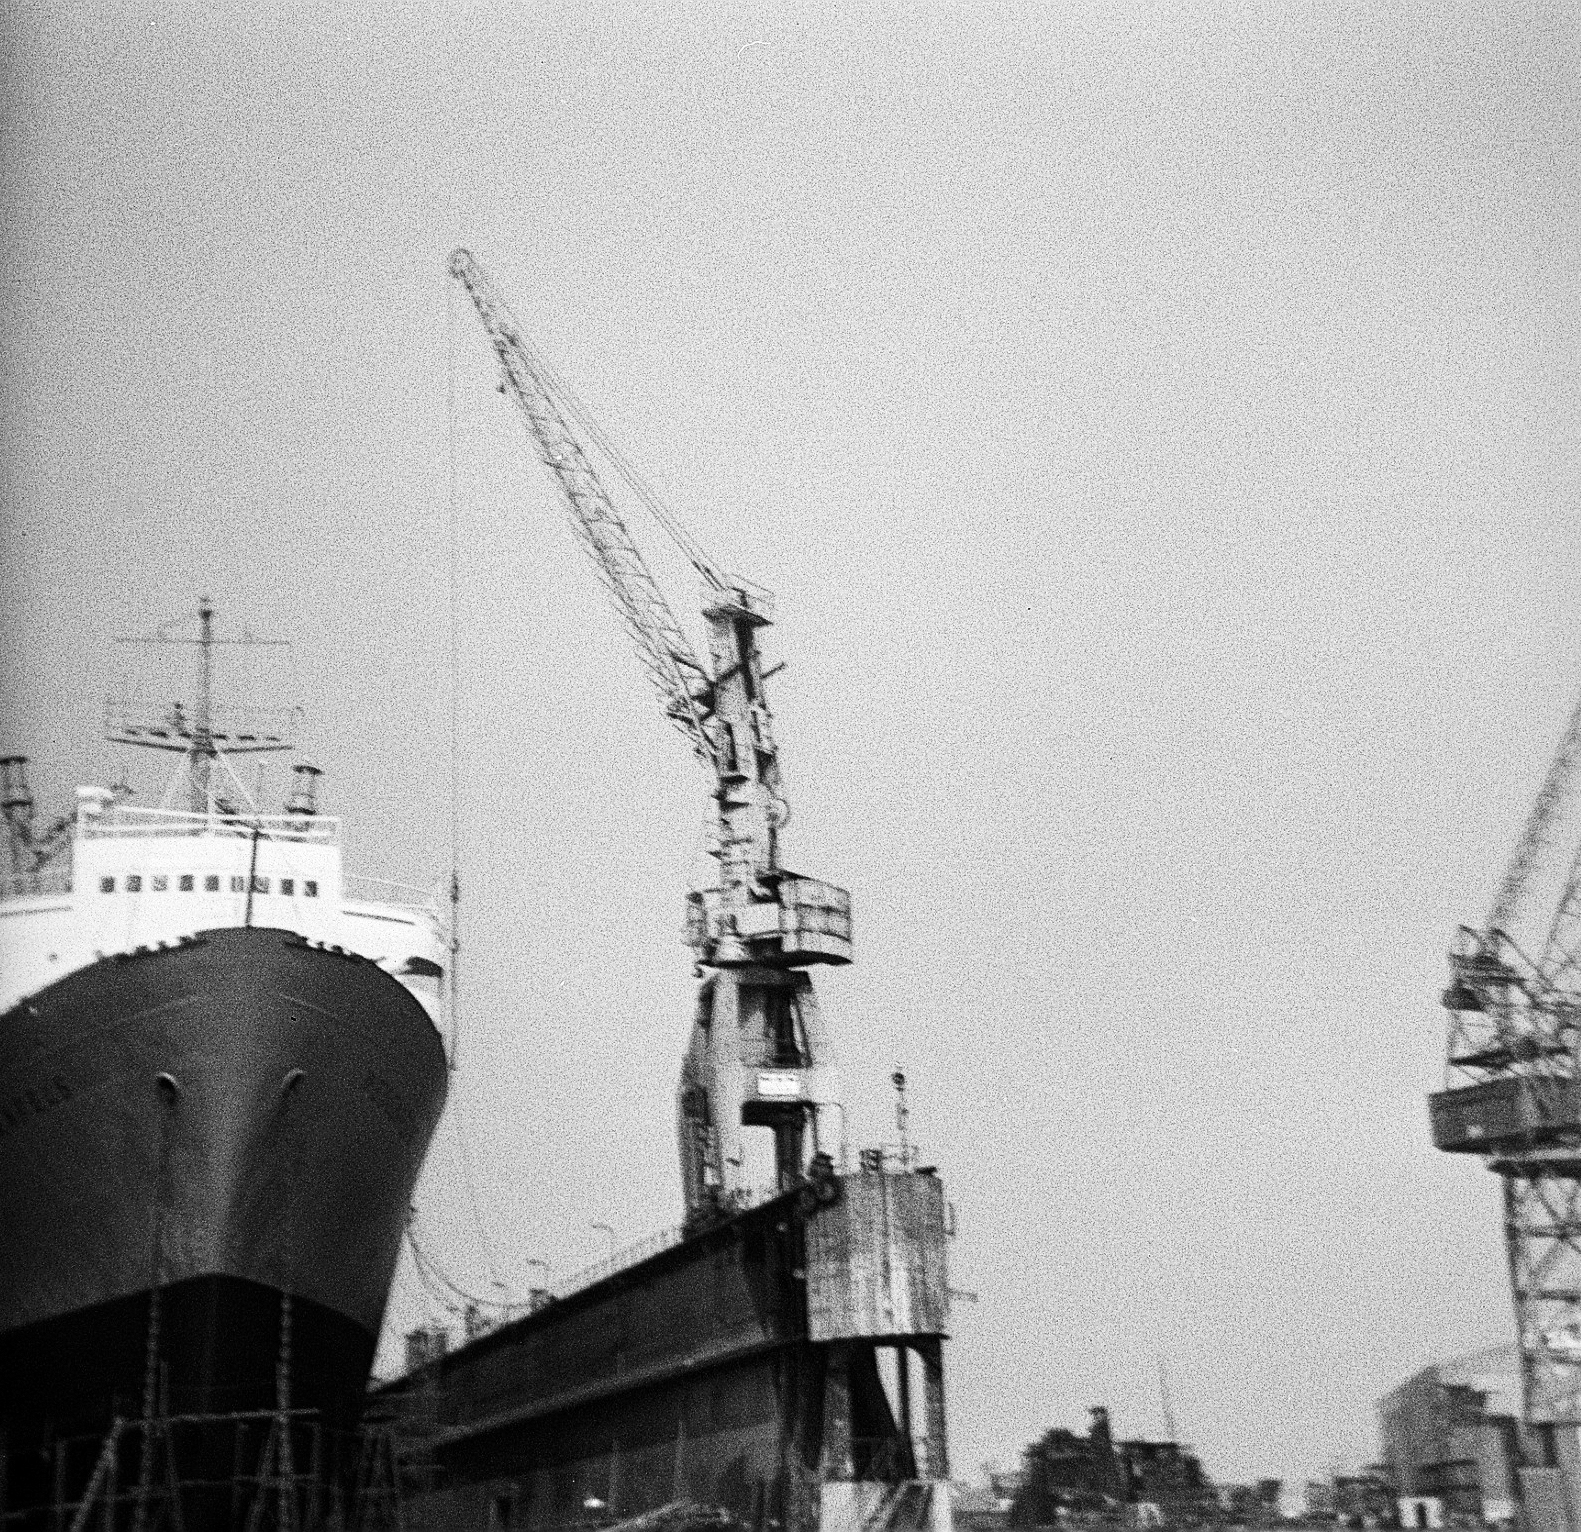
[782, 1368]
[782, 1364]
[1451, 1440]
[223, 1064]
[1065, 1475]
[1513, 1096]
[758, 1051]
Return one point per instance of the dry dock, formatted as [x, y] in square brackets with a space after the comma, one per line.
[783, 1367]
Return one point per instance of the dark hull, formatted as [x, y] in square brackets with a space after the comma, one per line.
[215, 1399]
[224, 1122]
[218, 1342]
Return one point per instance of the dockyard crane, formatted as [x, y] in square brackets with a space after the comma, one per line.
[758, 1056]
[1513, 1095]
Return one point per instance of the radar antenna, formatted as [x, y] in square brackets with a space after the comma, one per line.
[205, 735]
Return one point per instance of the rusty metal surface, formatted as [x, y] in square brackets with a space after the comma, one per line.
[875, 1260]
[731, 1292]
[693, 1377]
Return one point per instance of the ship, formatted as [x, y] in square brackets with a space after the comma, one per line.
[221, 1063]
[222, 1066]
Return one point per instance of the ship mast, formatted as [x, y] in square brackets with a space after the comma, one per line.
[201, 756]
[201, 735]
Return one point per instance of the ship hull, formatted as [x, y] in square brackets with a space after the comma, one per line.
[214, 1404]
[206, 1156]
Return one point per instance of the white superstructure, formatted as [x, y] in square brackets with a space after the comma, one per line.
[141, 877]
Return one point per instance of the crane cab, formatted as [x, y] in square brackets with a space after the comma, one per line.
[1514, 1113]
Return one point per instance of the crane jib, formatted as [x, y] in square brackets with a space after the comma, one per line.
[759, 913]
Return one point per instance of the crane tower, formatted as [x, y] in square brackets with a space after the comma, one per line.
[758, 1055]
[1512, 1094]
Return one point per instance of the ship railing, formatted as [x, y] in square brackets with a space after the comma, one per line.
[128, 823]
[619, 1260]
[383, 891]
[643, 1249]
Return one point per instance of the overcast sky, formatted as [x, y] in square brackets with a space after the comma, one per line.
[1159, 424]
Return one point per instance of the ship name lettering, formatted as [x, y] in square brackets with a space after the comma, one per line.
[33, 1102]
[394, 1110]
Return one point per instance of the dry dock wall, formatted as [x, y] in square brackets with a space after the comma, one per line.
[784, 1366]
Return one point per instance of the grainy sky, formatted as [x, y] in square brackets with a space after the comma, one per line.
[1159, 423]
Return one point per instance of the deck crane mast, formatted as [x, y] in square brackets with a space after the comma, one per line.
[758, 1055]
[1513, 1095]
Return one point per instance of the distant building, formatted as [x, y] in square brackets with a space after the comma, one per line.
[1064, 1473]
[1451, 1440]
[1364, 1498]
[1320, 1500]
[1251, 1505]
[1166, 1475]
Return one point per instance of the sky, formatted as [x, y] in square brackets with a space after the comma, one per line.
[1159, 424]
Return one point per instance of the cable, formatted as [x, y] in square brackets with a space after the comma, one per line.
[444, 1289]
[494, 309]
[472, 1192]
[639, 485]
[455, 688]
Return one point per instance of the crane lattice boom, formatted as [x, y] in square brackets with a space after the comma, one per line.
[1513, 1096]
[679, 676]
[758, 1057]
[1539, 826]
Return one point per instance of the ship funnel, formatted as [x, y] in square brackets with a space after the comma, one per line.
[304, 794]
[15, 795]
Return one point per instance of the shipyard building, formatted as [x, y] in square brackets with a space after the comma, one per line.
[1065, 1473]
[1451, 1440]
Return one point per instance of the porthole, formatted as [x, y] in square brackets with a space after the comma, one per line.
[211, 883]
[106, 885]
[310, 887]
[134, 883]
[238, 885]
[159, 883]
[184, 883]
[288, 886]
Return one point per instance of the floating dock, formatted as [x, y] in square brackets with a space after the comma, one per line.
[781, 1370]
